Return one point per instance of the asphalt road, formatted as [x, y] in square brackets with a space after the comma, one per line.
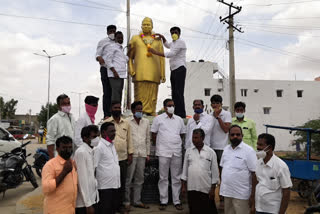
[8, 202]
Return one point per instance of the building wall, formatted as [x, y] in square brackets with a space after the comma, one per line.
[288, 110]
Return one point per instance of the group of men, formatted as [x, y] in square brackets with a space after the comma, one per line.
[113, 69]
[94, 170]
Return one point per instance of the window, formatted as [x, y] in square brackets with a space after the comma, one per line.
[279, 93]
[244, 92]
[299, 93]
[207, 91]
[266, 110]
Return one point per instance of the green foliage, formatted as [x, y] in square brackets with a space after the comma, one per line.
[161, 111]
[42, 116]
[315, 137]
[8, 109]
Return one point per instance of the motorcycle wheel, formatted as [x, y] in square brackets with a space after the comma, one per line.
[39, 171]
[31, 177]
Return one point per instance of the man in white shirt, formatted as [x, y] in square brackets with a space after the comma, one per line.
[107, 170]
[201, 120]
[167, 133]
[177, 56]
[86, 119]
[272, 184]
[116, 62]
[140, 137]
[102, 48]
[219, 134]
[88, 195]
[60, 124]
[200, 175]
[238, 164]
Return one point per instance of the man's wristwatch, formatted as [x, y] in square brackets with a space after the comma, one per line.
[217, 117]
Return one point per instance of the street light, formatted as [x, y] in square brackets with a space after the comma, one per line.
[79, 94]
[49, 57]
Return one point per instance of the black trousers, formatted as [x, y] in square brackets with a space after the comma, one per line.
[83, 210]
[199, 202]
[109, 201]
[123, 176]
[177, 79]
[107, 92]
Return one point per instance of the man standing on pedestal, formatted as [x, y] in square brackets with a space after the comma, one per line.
[101, 52]
[177, 56]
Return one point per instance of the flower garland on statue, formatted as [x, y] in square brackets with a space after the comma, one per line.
[148, 42]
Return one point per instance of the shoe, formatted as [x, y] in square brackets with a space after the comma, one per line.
[162, 206]
[141, 205]
[178, 207]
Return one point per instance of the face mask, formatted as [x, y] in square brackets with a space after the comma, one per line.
[65, 154]
[262, 154]
[66, 109]
[174, 37]
[138, 114]
[108, 139]
[170, 110]
[116, 113]
[239, 115]
[235, 142]
[111, 36]
[95, 142]
[91, 111]
[198, 111]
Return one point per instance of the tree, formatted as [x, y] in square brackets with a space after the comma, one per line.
[8, 109]
[315, 137]
[42, 116]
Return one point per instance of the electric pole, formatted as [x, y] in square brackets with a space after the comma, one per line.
[128, 103]
[232, 80]
[79, 94]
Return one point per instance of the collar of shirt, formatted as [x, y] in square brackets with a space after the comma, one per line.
[167, 116]
[270, 163]
[111, 119]
[119, 45]
[60, 159]
[87, 147]
[63, 114]
[105, 142]
[244, 120]
[238, 147]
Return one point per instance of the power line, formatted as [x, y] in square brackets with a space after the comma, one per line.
[276, 32]
[281, 3]
[196, 6]
[316, 17]
[294, 27]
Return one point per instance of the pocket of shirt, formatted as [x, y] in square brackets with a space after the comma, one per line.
[238, 163]
[274, 184]
[205, 163]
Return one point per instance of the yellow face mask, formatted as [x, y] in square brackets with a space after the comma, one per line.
[174, 37]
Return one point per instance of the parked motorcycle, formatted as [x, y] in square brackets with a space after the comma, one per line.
[40, 159]
[14, 168]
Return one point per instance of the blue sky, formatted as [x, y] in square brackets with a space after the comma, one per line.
[24, 75]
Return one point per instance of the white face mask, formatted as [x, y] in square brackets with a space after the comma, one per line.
[262, 154]
[239, 115]
[111, 36]
[95, 142]
[170, 110]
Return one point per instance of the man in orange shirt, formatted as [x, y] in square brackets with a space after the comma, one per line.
[59, 180]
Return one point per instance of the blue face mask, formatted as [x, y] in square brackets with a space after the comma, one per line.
[198, 111]
[138, 114]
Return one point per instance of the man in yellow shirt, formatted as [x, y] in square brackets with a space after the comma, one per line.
[247, 125]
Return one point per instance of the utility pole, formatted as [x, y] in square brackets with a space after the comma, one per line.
[128, 39]
[232, 80]
[79, 94]
[49, 58]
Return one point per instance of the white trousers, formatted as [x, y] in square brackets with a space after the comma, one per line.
[175, 165]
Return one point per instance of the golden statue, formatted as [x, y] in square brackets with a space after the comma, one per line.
[147, 70]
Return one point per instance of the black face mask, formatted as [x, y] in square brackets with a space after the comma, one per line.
[235, 141]
[116, 113]
[65, 154]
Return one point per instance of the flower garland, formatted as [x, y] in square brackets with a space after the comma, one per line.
[148, 42]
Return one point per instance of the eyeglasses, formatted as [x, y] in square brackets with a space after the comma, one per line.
[235, 134]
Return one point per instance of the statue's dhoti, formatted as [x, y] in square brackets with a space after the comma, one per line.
[147, 93]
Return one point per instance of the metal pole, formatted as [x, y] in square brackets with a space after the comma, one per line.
[128, 39]
[232, 80]
[48, 108]
[79, 103]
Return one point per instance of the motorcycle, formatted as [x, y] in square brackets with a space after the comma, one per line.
[40, 159]
[14, 168]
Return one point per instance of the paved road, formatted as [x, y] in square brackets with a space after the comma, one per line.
[8, 203]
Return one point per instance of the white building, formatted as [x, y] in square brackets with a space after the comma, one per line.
[273, 102]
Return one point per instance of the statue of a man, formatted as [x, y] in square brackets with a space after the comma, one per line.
[147, 70]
